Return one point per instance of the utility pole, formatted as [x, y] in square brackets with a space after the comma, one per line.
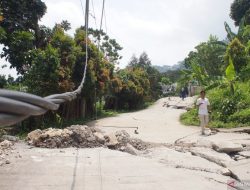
[86, 27]
[98, 61]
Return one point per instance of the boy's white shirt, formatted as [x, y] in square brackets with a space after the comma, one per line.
[203, 107]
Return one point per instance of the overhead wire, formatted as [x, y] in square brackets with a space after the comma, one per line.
[94, 15]
[82, 8]
[98, 47]
[105, 21]
[95, 99]
[103, 5]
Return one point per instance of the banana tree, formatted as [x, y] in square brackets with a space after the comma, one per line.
[230, 75]
[240, 33]
[195, 73]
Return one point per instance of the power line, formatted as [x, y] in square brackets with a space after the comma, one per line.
[105, 19]
[82, 8]
[86, 33]
[94, 16]
[103, 4]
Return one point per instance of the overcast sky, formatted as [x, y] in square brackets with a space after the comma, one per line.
[166, 29]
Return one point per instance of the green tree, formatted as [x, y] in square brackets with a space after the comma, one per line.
[135, 88]
[54, 63]
[194, 73]
[209, 56]
[17, 52]
[43, 77]
[236, 50]
[65, 25]
[22, 32]
[3, 81]
[99, 74]
[108, 46]
[239, 10]
[133, 62]
[144, 63]
[246, 34]
[231, 75]
[165, 80]
[65, 46]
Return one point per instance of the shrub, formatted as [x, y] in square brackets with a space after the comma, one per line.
[220, 124]
[190, 117]
[228, 110]
[242, 116]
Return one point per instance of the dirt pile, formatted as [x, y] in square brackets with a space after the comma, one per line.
[5, 148]
[82, 136]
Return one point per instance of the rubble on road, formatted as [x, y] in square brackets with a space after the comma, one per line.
[82, 136]
[9, 138]
[5, 148]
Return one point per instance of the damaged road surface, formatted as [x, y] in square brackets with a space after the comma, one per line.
[96, 157]
[98, 168]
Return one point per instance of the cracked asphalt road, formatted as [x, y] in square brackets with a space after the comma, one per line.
[164, 167]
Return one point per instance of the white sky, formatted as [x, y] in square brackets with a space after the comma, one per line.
[166, 29]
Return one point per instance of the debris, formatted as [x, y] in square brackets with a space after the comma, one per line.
[34, 136]
[112, 140]
[10, 138]
[99, 137]
[130, 149]
[82, 136]
[5, 145]
[6, 148]
[225, 172]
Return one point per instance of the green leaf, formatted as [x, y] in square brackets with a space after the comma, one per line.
[230, 71]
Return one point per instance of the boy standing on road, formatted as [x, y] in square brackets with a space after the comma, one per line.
[203, 104]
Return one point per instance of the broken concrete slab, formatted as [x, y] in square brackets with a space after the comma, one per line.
[206, 143]
[238, 157]
[227, 147]
[241, 169]
[221, 159]
[225, 172]
[99, 137]
[246, 154]
[185, 160]
[34, 136]
[244, 142]
[112, 140]
[131, 150]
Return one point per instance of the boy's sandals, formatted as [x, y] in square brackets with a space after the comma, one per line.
[209, 131]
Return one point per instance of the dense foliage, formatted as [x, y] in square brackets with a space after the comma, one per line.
[222, 67]
[50, 61]
[138, 83]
